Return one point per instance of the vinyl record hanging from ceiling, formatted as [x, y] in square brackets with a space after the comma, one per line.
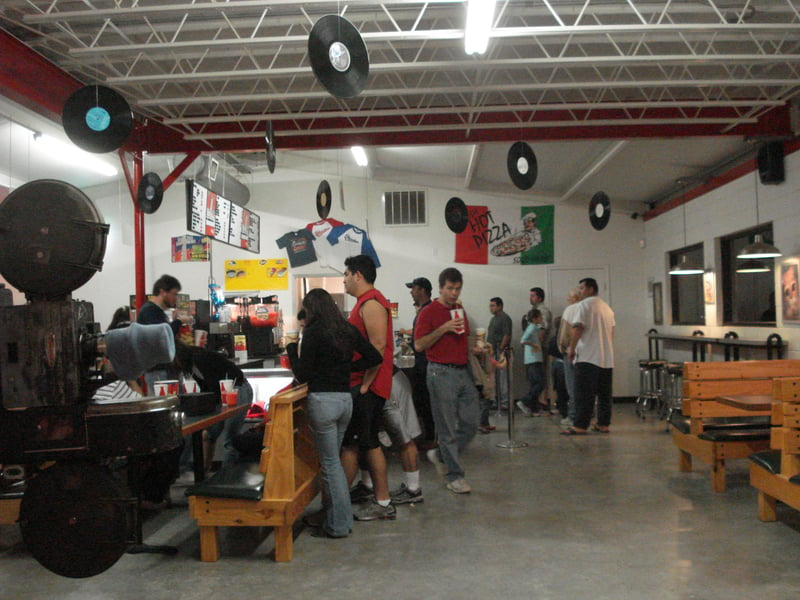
[599, 210]
[338, 56]
[456, 215]
[97, 119]
[150, 193]
[269, 140]
[323, 199]
[522, 165]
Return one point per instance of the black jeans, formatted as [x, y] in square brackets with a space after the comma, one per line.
[591, 381]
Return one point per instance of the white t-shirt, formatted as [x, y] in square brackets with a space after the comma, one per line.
[325, 254]
[596, 345]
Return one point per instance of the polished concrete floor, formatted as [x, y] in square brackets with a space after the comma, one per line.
[600, 517]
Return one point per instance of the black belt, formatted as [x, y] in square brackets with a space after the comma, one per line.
[451, 365]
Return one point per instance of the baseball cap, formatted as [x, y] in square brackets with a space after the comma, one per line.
[421, 282]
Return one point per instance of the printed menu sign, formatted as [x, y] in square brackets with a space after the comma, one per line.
[208, 213]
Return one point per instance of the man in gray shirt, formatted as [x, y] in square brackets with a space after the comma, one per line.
[498, 334]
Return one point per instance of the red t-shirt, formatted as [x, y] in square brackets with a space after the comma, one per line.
[382, 384]
[451, 348]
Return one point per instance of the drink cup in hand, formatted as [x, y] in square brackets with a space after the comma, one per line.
[458, 313]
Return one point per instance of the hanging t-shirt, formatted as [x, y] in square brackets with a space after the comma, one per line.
[349, 240]
[299, 246]
[325, 254]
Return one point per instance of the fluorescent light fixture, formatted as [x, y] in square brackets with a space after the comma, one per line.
[359, 155]
[759, 249]
[752, 266]
[686, 267]
[480, 17]
[73, 155]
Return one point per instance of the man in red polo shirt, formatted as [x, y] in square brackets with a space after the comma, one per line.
[442, 331]
[371, 388]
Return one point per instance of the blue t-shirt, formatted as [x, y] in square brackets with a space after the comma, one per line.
[532, 335]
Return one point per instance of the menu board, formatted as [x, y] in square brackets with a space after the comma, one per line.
[208, 213]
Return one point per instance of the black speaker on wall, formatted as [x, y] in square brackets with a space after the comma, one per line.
[770, 163]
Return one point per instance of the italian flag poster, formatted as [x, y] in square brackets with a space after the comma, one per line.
[507, 236]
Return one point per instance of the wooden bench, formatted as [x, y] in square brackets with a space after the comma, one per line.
[715, 432]
[776, 473]
[10, 500]
[271, 492]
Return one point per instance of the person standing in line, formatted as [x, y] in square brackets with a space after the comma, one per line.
[371, 315]
[421, 289]
[534, 364]
[537, 301]
[498, 335]
[564, 340]
[324, 360]
[153, 312]
[442, 331]
[592, 351]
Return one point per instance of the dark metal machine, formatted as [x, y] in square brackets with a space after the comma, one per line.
[77, 515]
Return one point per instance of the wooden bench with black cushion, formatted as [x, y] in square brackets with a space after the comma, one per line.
[272, 492]
[776, 473]
[718, 432]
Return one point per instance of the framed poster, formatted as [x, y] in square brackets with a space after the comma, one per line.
[790, 301]
[658, 305]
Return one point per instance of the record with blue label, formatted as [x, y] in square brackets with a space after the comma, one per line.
[97, 119]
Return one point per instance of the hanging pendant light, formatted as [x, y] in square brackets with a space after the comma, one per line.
[752, 266]
[759, 248]
[686, 266]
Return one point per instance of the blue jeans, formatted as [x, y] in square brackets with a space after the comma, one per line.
[535, 372]
[329, 414]
[234, 425]
[455, 406]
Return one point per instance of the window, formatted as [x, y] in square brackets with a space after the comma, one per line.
[404, 208]
[686, 291]
[748, 298]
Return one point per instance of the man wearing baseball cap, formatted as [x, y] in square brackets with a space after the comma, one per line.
[421, 294]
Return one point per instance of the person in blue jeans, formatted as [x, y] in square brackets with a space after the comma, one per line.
[534, 363]
[324, 360]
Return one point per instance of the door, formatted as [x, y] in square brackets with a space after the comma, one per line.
[562, 280]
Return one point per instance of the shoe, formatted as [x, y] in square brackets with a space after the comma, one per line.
[403, 495]
[321, 532]
[565, 423]
[361, 493]
[459, 486]
[433, 456]
[185, 479]
[573, 431]
[484, 429]
[384, 439]
[374, 511]
[525, 410]
[315, 519]
[154, 506]
[600, 429]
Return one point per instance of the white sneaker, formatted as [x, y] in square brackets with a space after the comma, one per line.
[566, 423]
[433, 456]
[525, 410]
[384, 439]
[459, 486]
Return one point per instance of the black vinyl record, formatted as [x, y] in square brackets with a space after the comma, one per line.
[599, 210]
[97, 119]
[150, 193]
[269, 139]
[522, 165]
[324, 199]
[338, 56]
[455, 215]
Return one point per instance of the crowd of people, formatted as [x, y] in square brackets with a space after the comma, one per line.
[356, 394]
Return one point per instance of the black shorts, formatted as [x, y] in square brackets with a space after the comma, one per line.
[365, 422]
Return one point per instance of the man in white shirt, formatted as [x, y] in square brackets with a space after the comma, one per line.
[592, 351]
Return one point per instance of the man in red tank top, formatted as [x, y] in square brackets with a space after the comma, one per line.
[370, 388]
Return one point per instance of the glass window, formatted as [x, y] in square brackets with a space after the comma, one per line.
[747, 298]
[686, 291]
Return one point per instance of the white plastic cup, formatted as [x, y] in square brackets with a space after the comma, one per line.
[200, 338]
[292, 336]
[226, 385]
[190, 386]
[165, 387]
[457, 313]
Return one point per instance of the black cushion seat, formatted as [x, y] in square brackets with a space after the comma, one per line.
[728, 434]
[242, 481]
[682, 423]
[768, 459]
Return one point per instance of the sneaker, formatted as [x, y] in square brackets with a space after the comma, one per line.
[403, 495]
[374, 511]
[525, 410]
[361, 493]
[566, 423]
[384, 439]
[459, 486]
[315, 519]
[433, 456]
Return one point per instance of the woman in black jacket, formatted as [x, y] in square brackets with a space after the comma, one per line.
[331, 347]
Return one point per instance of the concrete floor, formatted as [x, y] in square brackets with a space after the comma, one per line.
[600, 517]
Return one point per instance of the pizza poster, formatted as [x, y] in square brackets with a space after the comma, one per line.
[507, 236]
[255, 275]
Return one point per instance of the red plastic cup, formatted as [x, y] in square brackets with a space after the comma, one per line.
[285, 361]
[230, 398]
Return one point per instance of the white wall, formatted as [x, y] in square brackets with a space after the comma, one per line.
[726, 210]
[405, 253]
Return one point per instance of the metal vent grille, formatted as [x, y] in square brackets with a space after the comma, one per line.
[405, 208]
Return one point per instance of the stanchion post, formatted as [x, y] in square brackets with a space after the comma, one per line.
[511, 442]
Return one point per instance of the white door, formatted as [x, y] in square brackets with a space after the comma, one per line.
[563, 279]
